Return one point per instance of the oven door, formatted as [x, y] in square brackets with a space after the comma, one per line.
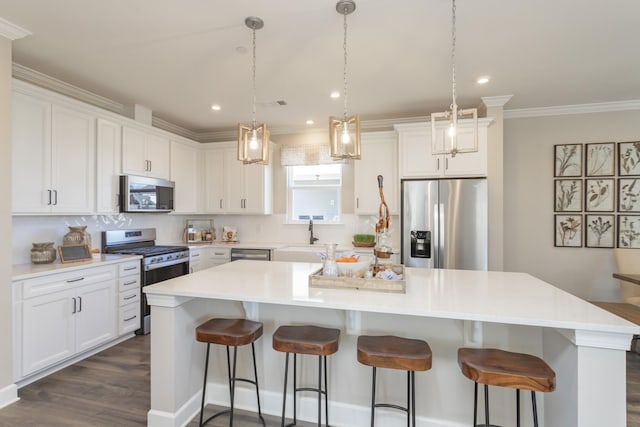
[155, 274]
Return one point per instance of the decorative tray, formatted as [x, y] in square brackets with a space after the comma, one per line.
[317, 280]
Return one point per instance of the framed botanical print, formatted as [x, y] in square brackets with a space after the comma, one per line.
[628, 158]
[568, 160]
[629, 231]
[568, 231]
[600, 159]
[568, 195]
[599, 195]
[599, 231]
[628, 195]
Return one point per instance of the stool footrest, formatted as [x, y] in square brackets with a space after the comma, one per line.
[216, 415]
[390, 405]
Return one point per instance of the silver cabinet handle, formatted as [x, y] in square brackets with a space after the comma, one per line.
[130, 268]
[130, 297]
[358, 202]
[49, 191]
[150, 166]
[130, 318]
[75, 280]
[446, 164]
[220, 203]
[74, 306]
[438, 164]
[133, 282]
[55, 193]
[80, 305]
[195, 255]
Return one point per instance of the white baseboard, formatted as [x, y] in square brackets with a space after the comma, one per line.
[8, 395]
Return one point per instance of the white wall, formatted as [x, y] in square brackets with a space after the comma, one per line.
[6, 357]
[528, 200]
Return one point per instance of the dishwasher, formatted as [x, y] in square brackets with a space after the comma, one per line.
[252, 254]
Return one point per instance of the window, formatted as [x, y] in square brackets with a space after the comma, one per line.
[313, 193]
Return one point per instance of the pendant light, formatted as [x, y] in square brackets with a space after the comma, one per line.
[253, 141]
[344, 132]
[449, 135]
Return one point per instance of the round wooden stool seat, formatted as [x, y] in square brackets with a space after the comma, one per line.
[506, 369]
[229, 332]
[314, 340]
[394, 352]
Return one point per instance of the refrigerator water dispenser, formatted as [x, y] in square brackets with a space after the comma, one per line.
[420, 244]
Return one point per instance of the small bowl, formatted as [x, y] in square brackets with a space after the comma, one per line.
[354, 269]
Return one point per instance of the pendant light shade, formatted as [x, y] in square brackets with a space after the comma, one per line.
[344, 132]
[253, 140]
[445, 137]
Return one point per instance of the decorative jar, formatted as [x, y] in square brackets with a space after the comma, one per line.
[77, 235]
[43, 253]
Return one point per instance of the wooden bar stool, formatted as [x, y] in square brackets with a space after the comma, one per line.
[230, 333]
[311, 340]
[395, 353]
[505, 369]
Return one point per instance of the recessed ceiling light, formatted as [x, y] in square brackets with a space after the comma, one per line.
[335, 94]
[215, 107]
[309, 122]
[483, 80]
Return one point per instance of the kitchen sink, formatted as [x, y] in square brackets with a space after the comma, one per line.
[304, 253]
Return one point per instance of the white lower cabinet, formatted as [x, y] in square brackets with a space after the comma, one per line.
[202, 258]
[65, 314]
[129, 289]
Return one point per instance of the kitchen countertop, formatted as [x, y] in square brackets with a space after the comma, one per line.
[30, 271]
[500, 297]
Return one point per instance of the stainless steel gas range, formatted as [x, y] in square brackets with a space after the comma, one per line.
[158, 262]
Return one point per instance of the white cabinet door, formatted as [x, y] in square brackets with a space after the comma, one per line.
[73, 161]
[184, 172]
[134, 152]
[416, 160]
[47, 330]
[31, 148]
[235, 182]
[145, 154]
[379, 157]
[109, 166]
[214, 176]
[95, 318]
[468, 164]
[195, 259]
[158, 153]
[257, 189]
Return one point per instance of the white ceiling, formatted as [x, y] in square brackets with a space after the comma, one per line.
[179, 57]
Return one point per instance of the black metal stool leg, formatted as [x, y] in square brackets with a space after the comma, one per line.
[284, 394]
[204, 385]
[475, 404]
[517, 407]
[373, 397]
[486, 406]
[326, 393]
[408, 399]
[255, 375]
[233, 384]
[319, 391]
[535, 409]
[413, 397]
[295, 388]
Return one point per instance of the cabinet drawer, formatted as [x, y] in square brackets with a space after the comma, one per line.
[57, 282]
[220, 254]
[129, 318]
[129, 283]
[129, 297]
[130, 269]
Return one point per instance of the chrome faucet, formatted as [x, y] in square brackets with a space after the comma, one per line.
[311, 238]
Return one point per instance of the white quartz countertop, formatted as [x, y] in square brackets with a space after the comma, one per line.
[30, 271]
[499, 297]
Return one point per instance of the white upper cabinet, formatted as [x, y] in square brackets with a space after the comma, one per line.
[233, 187]
[417, 161]
[145, 153]
[184, 172]
[53, 157]
[108, 166]
[379, 157]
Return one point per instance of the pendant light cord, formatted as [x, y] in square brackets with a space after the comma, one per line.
[344, 75]
[254, 76]
[453, 53]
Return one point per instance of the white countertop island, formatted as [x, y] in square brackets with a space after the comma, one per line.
[448, 308]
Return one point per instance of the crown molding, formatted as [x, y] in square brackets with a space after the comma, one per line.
[39, 79]
[173, 128]
[12, 31]
[496, 101]
[561, 110]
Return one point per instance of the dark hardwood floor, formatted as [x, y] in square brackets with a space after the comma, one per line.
[112, 389]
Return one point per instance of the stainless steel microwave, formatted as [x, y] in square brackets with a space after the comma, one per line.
[144, 194]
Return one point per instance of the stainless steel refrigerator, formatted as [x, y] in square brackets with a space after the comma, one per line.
[444, 223]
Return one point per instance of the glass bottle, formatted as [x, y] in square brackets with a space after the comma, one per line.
[330, 268]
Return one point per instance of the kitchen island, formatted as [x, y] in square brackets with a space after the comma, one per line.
[584, 344]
